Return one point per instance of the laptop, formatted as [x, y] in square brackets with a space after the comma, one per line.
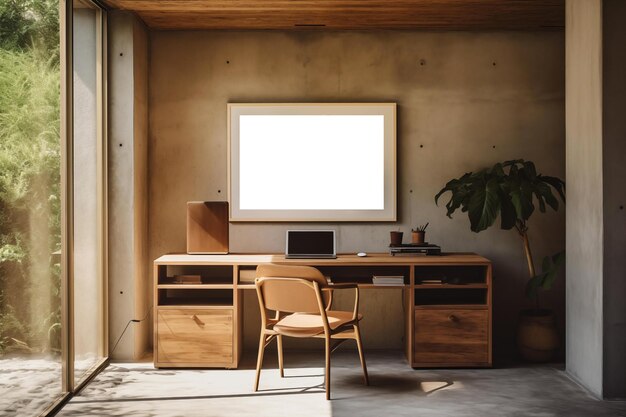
[303, 244]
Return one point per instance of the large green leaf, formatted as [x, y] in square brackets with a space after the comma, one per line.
[451, 185]
[556, 262]
[456, 201]
[544, 191]
[556, 183]
[529, 170]
[526, 200]
[516, 201]
[454, 184]
[508, 216]
[542, 202]
[440, 193]
[484, 205]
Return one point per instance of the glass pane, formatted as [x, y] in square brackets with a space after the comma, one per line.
[30, 225]
[88, 326]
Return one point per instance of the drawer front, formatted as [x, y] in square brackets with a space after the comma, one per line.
[195, 337]
[454, 336]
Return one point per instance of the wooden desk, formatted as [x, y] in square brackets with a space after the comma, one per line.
[447, 325]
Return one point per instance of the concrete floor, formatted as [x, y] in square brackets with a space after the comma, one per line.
[396, 390]
[28, 384]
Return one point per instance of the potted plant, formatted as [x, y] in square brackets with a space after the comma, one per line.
[418, 234]
[396, 237]
[510, 190]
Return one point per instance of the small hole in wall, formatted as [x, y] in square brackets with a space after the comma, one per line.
[219, 191]
[493, 63]
[228, 62]
[410, 191]
[494, 146]
[422, 62]
[120, 145]
[121, 53]
[621, 207]
[121, 292]
[421, 146]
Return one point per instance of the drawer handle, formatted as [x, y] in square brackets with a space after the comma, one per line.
[453, 318]
[197, 320]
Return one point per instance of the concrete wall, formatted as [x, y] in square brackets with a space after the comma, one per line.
[584, 192]
[466, 101]
[129, 282]
[614, 172]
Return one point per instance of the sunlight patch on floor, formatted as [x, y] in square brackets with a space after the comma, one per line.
[430, 387]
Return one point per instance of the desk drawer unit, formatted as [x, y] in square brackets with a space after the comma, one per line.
[189, 337]
[451, 337]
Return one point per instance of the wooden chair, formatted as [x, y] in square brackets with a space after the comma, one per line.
[301, 299]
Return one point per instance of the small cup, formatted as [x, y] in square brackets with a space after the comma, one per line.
[396, 237]
[417, 238]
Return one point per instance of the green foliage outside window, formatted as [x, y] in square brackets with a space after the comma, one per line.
[29, 176]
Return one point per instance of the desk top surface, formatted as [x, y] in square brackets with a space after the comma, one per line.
[342, 259]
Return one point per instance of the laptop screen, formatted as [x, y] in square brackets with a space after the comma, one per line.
[311, 243]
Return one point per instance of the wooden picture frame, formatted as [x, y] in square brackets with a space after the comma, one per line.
[385, 213]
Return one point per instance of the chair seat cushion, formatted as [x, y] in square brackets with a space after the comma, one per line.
[307, 325]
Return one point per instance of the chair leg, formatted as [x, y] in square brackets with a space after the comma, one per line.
[327, 373]
[259, 362]
[279, 342]
[359, 345]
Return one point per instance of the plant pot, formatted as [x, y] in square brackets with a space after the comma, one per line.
[396, 238]
[537, 336]
[417, 238]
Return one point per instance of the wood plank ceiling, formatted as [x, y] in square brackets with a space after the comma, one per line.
[348, 14]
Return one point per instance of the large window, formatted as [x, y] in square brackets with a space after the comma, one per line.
[52, 200]
[30, 207]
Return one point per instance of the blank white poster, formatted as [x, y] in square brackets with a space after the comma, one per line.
[311, 162]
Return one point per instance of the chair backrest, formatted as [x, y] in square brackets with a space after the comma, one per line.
[289, 288]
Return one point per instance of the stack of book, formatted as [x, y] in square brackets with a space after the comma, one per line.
[388, 280]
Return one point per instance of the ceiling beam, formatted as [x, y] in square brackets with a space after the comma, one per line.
[348, 14]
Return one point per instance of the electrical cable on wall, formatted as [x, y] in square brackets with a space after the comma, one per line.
[126, 328]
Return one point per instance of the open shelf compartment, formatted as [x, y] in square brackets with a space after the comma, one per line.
[195, 274]
[196, 297]
[451, 274]
[468, 296]
[247, 274]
